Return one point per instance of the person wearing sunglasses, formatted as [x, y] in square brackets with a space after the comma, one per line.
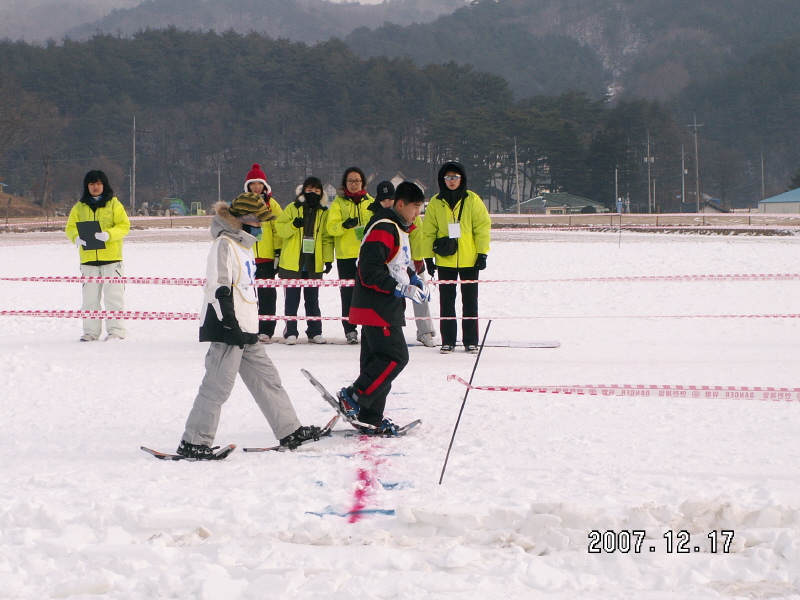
[455, 242]
[347, 218]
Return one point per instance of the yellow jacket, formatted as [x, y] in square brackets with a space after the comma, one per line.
[346, 241]
[270, 240]
[112, 218]
[293, 238]
[476, 227]
[415, 239]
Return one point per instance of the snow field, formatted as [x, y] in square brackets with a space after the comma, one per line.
[84, 513]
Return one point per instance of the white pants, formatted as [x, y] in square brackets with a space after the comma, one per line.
[112, 293]
[423, 314]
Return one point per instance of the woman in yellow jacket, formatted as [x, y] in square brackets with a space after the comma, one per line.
[99, 205]
[456, 231]
[347, 220]
[266, 251]
[307, 253]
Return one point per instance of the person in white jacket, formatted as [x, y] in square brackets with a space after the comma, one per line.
[230, 322]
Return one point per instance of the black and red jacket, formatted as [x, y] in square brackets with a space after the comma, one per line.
[374, 302]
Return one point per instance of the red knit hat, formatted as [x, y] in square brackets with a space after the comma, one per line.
[256, 174]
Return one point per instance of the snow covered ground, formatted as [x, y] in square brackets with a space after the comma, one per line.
[85, 513]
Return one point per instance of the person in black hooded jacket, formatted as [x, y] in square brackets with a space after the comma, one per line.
[455, 241]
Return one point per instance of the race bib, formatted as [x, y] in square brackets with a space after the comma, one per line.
[454, 230]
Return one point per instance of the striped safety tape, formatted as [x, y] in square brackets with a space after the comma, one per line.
[617, 227]
[650, 391]
[49, 223]
[168, 316]
[268, 283]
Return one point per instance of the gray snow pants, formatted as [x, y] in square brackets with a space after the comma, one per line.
[423, 313]
[260, 376]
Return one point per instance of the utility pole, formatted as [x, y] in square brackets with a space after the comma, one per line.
[133, 170]
[649, 160]
[695, 127]
[683, 176]
[219, 186]
[516, 176]
[616, 189]
[654, 194]
[762, 176]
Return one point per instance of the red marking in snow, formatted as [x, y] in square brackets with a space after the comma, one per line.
[366, 476]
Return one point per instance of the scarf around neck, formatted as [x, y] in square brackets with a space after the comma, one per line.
[355, 196]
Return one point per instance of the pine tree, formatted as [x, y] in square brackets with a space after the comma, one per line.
[795, 182]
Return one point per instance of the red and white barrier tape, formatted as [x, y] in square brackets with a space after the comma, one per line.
[152, 218]
[617, 227]
[139, 315]
[650, 391]
[627, 215]
[269, 283]
[168, 316]
[189, 281]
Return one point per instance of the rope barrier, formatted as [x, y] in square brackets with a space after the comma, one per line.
[617, 227]
[178, 316]
[64, 222]
[776, 394]
[270, 283]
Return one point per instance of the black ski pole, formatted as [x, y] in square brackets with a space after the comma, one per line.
[458, 420]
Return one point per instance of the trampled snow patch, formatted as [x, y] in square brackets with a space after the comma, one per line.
[534, 481]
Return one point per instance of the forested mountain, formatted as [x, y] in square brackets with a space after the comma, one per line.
[651, 48]
[207, 103]
[533, 65]
[39, 20]
[635, 48]
[747, 111]
[298, 20]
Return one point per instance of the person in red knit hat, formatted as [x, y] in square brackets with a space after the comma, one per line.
[266, 250]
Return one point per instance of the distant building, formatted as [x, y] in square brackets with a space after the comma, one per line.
[558, 203]
[788, 202]
[712, 207]
[396, 177]
[707, 206]
[330, 190]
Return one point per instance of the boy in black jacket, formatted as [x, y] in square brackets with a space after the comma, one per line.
[385, 278]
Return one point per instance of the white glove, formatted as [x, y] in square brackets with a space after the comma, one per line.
[79, 241]
[411, 292]
[102, 236]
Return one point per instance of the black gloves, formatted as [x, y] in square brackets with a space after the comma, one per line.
[298, 222]
[350, 223]
[328, 267]
[480, 264]
[232, 334]
[431, 266]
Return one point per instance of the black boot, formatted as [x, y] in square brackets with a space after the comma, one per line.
[302, 435]
[196, 451]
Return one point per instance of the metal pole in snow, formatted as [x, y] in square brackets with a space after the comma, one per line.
[458, 420]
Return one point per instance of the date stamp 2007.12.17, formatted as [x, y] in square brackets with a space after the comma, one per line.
[636, 541]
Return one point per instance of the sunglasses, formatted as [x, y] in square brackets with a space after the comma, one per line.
[452, 177]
